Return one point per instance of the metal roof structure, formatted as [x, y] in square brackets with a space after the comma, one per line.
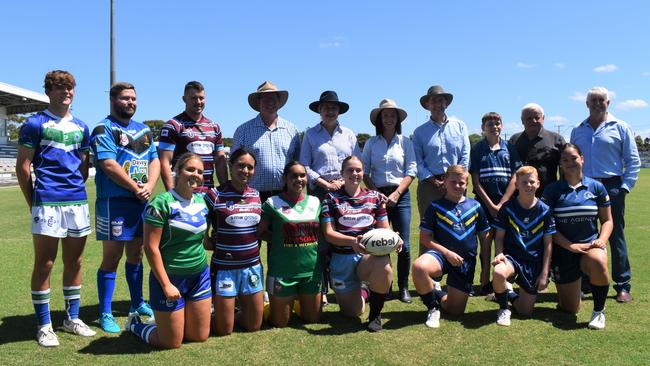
[16, 100]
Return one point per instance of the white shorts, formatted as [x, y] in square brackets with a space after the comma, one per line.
[61, 221]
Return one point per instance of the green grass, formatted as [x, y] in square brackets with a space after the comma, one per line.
[549, 337]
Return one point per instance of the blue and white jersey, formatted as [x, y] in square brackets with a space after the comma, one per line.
[455, 225]
[58, 144]
[575, 209]
[525, 229]
[494, 167]
[131, 146]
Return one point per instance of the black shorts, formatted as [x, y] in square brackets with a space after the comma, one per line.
[526, 273]
[565, 265]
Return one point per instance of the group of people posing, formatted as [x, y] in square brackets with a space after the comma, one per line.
[311, 200]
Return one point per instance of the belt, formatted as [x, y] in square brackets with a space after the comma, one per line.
[614, 179]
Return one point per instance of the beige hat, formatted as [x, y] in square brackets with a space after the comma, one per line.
[267, 87]
[433, 91]
[387, 104]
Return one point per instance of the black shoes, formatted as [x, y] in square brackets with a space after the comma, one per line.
[405, 296]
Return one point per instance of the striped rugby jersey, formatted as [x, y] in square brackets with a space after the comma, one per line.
[494, 167]
[524, 229]
[203, 138]
[455, 225]
[235, 216]
[353, 216]
[575, 209]
[58, 145]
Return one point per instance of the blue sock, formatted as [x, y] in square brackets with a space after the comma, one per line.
[105, 289]
[41, 302]
[72, 299]
[134, 274]
[143, 330]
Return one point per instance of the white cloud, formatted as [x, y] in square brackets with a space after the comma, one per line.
[521, 65]
[578, 96]
[606, 68]
[559, 120]
[612, 94]
[645, 73]
[330, 44]
[559, 65]
[631, 104]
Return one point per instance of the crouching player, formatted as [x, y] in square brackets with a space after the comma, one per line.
[524, 236]
[448, 229]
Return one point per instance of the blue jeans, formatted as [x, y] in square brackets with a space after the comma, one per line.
[399, 217]
[621, 272]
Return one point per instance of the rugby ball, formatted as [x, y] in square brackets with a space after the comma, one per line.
[380, 241]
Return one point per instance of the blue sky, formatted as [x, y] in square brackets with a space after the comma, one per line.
[493, 56]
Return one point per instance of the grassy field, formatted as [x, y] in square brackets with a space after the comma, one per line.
[549, 337]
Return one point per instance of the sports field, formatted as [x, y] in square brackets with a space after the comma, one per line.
[548, 338]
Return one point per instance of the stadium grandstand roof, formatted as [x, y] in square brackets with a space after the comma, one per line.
[16, 100]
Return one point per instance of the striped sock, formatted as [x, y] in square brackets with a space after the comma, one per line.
[134, 274]
[143, 330]
[72, 298]
[105, 289]
[41, 302]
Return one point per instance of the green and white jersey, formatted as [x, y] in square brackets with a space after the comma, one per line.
[293, 251]
[184, 224]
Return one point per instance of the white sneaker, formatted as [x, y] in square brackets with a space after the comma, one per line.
[433, 318]
[503, 317]
[78, 327]
[436, 286]
[46, 337]
[133, 318]
[509, 286]
[597, 320]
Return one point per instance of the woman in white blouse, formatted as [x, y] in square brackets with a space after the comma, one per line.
[389, 164]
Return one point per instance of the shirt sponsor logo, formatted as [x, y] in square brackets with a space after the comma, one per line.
[356, 221]
[164, 132]
[201, 147]
[124, 140]
[225, 285]
[51, 221]
[243, 219]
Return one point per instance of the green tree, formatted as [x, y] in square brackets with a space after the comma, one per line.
[361, 139]
[474, 138]
[227, 141]
[154, 125]
[13, 124]
[639, 142]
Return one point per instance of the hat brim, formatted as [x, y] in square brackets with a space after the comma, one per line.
[254, 98]
[401, 114]
[424, 98]
[343, 107]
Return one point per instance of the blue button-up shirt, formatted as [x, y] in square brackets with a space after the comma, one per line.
[322, 153]
[438, 146]
[273, 149]
[609, 151]
[388, 163]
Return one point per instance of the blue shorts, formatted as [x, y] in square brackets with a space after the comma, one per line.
[194, 287]
[343, 272]
[526, 273]
[565, 265]
[119, 218]
[461, 277]
[242, 281]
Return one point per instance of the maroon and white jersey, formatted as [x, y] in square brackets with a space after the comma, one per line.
[234, 216]
[353, 216]
[203, 138]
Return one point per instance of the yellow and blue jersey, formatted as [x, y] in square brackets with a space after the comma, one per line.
[455, 224]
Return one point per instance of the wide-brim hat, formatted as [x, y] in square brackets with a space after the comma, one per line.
[433, 91]
[329, 96]
[267, 87]
[387, 104]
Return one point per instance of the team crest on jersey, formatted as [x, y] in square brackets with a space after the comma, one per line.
[164, 132]
[124, 140]
[230, 205]
[526, 220]
[77, 137]
[51, 221]
[116, 227]
[589, 195]
[254, 280]
[190, 133]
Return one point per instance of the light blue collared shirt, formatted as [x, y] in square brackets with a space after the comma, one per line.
[389, 163]
[323, 154]
[609, 151]
[438, 146]
[273, 149]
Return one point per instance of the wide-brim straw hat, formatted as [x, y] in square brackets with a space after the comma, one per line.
[387, 104]
[329, 96]
[267, 87]
[433, 91]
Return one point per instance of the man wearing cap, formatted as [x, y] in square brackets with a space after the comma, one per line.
[273, 140]
[192, 131]
[438, 143]
[611, 156]
[537, 146]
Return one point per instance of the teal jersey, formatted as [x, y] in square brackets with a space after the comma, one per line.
[184, 224]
